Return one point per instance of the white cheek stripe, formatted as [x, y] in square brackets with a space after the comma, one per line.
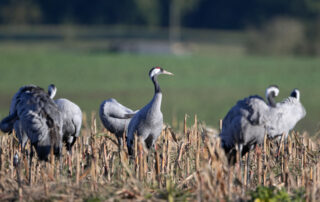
[154, 72]
[298, 95]
[274, 89]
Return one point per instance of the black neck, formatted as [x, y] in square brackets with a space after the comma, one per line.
[294, 94]
[271, 101]
[157, 88]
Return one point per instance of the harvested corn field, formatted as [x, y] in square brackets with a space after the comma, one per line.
[186, 165]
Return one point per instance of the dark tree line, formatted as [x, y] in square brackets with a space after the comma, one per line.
[223, 14]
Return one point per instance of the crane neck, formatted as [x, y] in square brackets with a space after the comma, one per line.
[52, 92]
[157, 98]
[271, 101]
[156, 101]
[157, 88]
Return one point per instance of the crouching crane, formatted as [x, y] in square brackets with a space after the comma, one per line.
[115, 117]
[71, 118]
[71, 121]
[39, 118]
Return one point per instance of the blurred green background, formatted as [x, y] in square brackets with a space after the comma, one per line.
[219, 51]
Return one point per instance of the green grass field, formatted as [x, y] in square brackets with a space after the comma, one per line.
[206, 85]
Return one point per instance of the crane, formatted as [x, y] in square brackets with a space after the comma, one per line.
[39, 118]
[148, 121]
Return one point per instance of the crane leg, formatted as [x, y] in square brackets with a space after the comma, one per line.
[120, 143]
[30, 164]
[248, 169]
[240, 154]
[285, 142]
[240, 162]
[60, 160]
[16, 163]
[69, 156]
[129, 146]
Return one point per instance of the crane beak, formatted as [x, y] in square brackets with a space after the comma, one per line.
[166, 72]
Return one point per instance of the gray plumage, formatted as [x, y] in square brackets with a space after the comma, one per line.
[21, 134]
[244, 125]
[286, 115]
[251, 118]
[8, 126]
[115, 117]
[148, 122]
[71, 118]
[16, 124]
[37, 116]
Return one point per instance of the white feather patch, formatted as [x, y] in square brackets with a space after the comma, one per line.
[154, 72]
[272, 89]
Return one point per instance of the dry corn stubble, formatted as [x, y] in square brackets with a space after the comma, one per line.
[183, 165]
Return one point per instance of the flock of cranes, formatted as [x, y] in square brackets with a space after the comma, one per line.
[247, 123]
[48, 123]
[250, 119]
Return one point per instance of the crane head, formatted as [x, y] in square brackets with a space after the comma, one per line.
[52, 90]
[273, 91]
[155, 71]
[296, 94]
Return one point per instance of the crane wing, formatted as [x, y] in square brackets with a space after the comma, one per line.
[114, 116]
[6, 125]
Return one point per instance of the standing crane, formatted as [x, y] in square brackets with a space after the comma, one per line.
[244, 125]
[147, 122]
[251, 118]
[39, 118]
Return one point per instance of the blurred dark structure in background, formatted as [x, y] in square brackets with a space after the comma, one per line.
[272, 26]
[216, 14]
